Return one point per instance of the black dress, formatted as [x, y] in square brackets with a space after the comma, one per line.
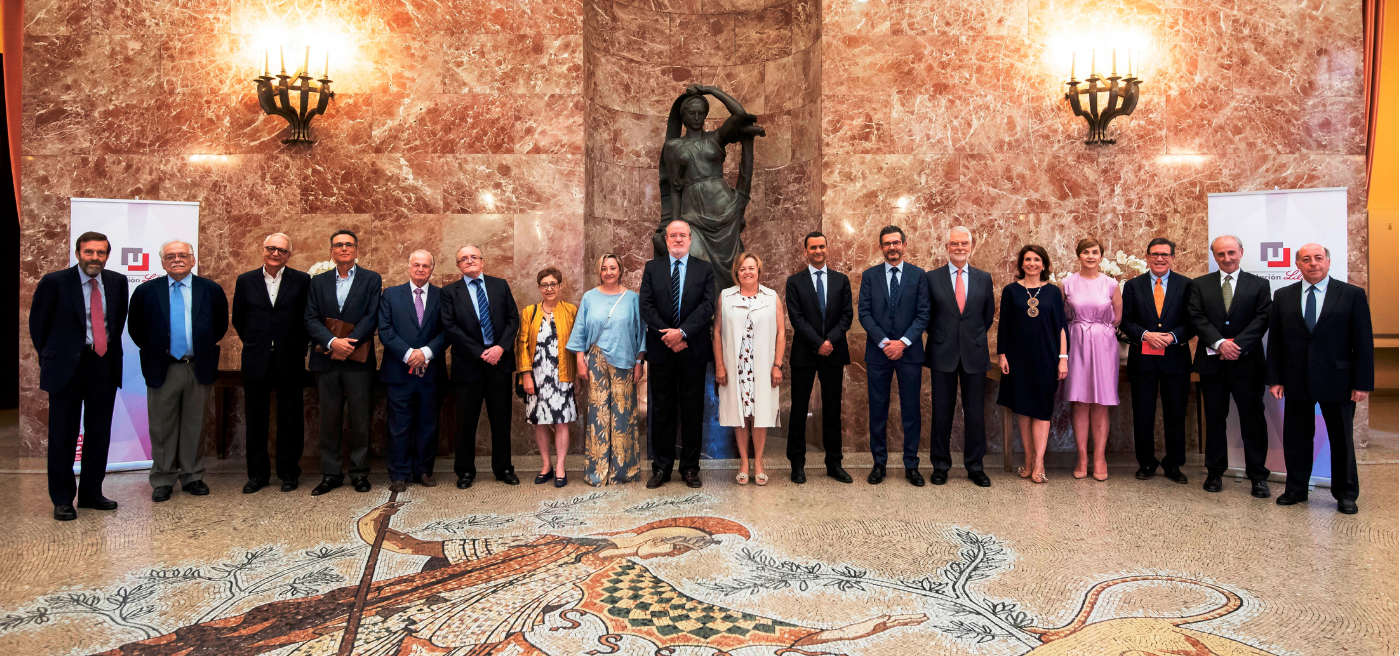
[1032, 349]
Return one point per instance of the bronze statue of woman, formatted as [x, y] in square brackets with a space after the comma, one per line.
[692, 177]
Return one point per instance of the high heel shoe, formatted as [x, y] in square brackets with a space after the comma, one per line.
[1038, 478]
[544, 478]
[1023, 472]
[742, 478]
[761, 479]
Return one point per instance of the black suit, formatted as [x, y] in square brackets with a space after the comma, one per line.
[274, 359]
[956, 355]
[1169, 373]
[811, 327]
[1245, 324]
[1321, 366]
[79, 382]
[677, 379]
[343, 385]
[475, 380]
[413, 398]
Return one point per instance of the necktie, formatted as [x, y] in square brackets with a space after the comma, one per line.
[960, 290]
[1228, 293]
[1310, 312]
[483, 314]
[676, 292]
[418, 304]
[179, 346]
[821, 296]
[1158, 296]
[894, 290]
[99, 326]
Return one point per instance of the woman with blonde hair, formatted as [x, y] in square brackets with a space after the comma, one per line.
[1093, 308]
[546, 373]
[610, 345]
[749, 341]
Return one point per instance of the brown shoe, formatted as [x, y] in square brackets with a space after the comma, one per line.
[426, 480]
[398, 486]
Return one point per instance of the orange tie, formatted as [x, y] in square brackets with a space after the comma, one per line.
[960, 291]
[1158, 296]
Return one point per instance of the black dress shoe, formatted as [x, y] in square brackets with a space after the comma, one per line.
[100, 503]
[1177, 476]
[561, 481]
[877, 474]
[197, 488]
[798, 476]
[1212, 483]
[544, 478]
[398, 486]
[361, 483]
[1346, 507]
[464, 481]
[162, 493]
[839, 474]
[64, 513]
[326, 485]
[1259, 489]
[657, 479]
[1290, 498]
[1144, 473]
[509, 478]
[254, 484]
[691, 478]
[288, 486]
[915, 478]
[980, 478]
[938, 477]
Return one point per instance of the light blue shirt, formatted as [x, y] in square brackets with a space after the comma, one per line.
[623, 339]
[884, 342]
[343, 285]
[685, 264]
[471, 292]
[87, 300]
[1153, 286]
[183, 286]
[1320, 294]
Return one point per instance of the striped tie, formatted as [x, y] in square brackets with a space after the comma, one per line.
[676, 292]
[483, 314]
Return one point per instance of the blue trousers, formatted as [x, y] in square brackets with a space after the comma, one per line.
[910, 375]
[413, 428]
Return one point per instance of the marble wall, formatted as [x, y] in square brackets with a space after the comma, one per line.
[533, 128]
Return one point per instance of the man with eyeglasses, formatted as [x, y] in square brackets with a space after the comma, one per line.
[177, 321]
[342, 311]
[1158, 325]
[269, 313]
[481, 320]
[75, 322]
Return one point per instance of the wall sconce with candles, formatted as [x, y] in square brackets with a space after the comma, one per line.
[275, 99]
[1121, 101]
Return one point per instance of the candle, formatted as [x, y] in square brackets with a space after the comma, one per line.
[1115, 62]
[1130, 63]
[306, 63]
[328, 65]
[1093, 61]
[282, 57]
[265, 56]
[1071, 65]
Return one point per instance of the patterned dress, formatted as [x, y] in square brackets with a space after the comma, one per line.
[745, 372]
[553, 401]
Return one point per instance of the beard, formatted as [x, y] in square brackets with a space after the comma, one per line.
[91, 267]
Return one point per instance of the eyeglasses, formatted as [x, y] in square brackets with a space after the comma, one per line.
[1162, 256]
[171, 257]
[892, 243]
[470, 258]
[273, 250]
[549, 285]
[343, 244]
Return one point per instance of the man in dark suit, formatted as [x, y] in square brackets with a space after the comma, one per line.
[819, 306]
[350, 295]
[1320, 354]
[80, 368]
[1155, 317]
[894, 310]
[481, 319]
[1230, 312]
[677, 305]
[961, 307]
[177, 321]
[269, 313]
[410, 328]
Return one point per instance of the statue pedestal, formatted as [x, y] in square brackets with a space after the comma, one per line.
[716, 442]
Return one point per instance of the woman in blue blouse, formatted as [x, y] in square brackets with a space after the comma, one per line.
[608, 339]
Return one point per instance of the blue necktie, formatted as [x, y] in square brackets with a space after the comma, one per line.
[1310, 313]
[676, 292]
[178, 345]
[483, 314]
[821, 297]
[894, 290]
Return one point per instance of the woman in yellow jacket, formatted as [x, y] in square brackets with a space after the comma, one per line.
[546, 372]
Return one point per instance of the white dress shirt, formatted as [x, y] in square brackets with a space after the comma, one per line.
[273, 283]
[825, 279]
[86, 283]
[412, 292]
[1233, 279]
[185, 287]
[884, 342]
[1321, 294]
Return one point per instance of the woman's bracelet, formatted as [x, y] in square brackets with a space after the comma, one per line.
[1064, 357]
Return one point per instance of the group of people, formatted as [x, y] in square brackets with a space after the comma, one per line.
[1054, 343]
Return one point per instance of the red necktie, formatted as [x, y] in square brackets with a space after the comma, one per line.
[960, 288]
[99, 328]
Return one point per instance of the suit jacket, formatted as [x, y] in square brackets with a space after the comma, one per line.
[1246, 323]
[910, 318]
[361, 308]
[955, 336]
[1336, 357]
[463, 330]
[810, 327]
[150, 327]
[261, 325]
[400, 332]
[697, 309]
[58, 325]
[1140, 315]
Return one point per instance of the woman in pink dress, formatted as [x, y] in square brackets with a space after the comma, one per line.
[1094, 307]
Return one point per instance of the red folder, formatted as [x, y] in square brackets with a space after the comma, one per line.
[1148, 349]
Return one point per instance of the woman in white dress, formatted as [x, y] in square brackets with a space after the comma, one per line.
[748, 342]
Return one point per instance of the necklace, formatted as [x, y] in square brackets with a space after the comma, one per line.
[1033, 303]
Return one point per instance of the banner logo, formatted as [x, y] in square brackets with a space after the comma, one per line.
[136, 259]
[1273, 254]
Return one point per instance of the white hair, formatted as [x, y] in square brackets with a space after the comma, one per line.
[175, 241]
[963, 229]
[681, 221]
[1238, 243]
[279, 234]
[431, 259]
